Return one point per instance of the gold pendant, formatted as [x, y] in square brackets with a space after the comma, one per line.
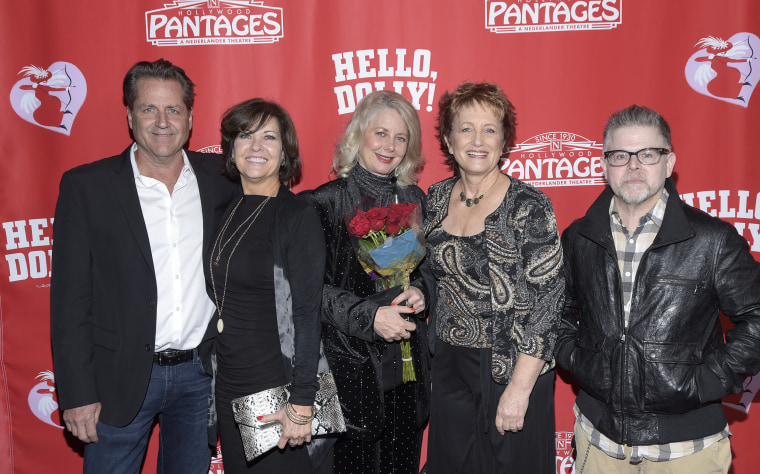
[220, 326]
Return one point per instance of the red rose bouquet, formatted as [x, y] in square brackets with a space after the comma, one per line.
[389, 246]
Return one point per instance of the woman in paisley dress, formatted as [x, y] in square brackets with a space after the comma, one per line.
[494, 249]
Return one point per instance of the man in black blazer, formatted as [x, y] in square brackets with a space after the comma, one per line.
[129, 310]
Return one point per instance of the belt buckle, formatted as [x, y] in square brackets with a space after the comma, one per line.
[167, 357]
[171, 357]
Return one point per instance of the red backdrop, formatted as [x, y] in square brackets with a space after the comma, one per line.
[565, 64]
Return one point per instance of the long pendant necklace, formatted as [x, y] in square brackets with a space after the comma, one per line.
[220, 246]
[471, 202]
[232, 235]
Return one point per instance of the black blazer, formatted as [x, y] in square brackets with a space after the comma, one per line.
[103, 285]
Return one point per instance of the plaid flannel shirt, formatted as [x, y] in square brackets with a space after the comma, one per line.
[652, 452]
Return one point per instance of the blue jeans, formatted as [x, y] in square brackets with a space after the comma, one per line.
[178, 396]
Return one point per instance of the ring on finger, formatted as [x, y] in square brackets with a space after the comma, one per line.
[406, 334]
[293, 442]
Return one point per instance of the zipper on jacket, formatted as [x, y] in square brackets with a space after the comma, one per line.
[624, 343]
[623, 359]
[624, 337]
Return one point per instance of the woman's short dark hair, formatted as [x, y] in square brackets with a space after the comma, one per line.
[486, 94]
[250, 116]
[158, 69]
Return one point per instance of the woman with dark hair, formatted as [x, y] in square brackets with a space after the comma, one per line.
[376, 161]
[494, 251]
[261, 271]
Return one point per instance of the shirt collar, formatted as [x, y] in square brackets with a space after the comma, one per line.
[655, 214]
[186, 172]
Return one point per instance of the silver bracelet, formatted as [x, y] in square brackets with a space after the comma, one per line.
[295, 417]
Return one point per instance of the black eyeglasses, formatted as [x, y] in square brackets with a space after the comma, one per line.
[646, 156]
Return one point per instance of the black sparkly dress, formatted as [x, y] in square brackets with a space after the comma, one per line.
[385, 418]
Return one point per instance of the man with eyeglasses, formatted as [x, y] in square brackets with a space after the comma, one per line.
[647, 276]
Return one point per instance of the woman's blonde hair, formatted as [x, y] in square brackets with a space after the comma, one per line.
[347, 149]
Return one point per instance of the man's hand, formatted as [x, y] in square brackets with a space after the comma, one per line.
[81, 422]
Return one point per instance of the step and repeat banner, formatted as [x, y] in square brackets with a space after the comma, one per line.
[566, 65]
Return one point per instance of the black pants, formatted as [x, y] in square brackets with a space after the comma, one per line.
[463, 437]
[397, 450]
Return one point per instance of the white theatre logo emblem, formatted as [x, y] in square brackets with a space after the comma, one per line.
[190, 23]
[529, 16]
[556, 159]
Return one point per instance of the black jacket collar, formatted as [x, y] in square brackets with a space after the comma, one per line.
[675, 227]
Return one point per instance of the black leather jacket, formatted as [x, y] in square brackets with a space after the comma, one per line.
[661, 379]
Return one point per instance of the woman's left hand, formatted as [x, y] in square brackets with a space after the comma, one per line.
[513, 403]
[414, 299]
[293, 434]
[510, 414]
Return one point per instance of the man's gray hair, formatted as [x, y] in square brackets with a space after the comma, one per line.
[637, 116]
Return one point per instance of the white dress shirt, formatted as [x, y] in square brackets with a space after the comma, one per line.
[175, 229]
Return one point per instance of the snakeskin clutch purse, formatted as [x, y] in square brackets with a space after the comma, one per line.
[259, 437]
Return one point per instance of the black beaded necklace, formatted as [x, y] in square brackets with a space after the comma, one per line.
[471, 202]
